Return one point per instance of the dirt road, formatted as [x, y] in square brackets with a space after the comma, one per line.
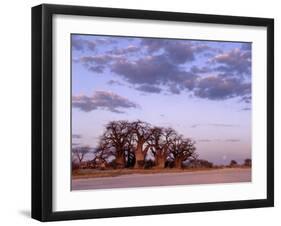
[162, 179]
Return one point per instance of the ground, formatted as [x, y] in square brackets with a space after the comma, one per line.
[131, 178]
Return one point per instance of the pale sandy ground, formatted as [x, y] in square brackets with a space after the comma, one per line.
[162, 179]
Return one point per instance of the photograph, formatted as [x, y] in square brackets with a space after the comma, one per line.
[146, 112]
[149, 111]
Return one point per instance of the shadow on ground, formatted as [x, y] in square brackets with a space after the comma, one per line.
[25, 213]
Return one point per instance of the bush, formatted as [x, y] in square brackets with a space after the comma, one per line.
[74, 166]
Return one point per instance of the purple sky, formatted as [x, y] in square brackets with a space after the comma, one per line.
[202, 89]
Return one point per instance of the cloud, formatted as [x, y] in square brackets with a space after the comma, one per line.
[97, 69]
[234, 61]
[201, 70]
[80, 44]
[223, 125]
[76, 136]
[232, 140]
[204, 140]
[76, 144]
[219, 140]
[153, 70]
[153, 44]
[215, 125]
[246, 46]
[99, 62]
[77, 44]
[114, 82]
[174, 88]
[162, 65]
[147, 70]
[106, 40]
[178, 51]
[162, 70]
[218, 88]
[100, 59]
[121, 51]
[246, 109]
[149, 89]
[247, 99]
[102, 100]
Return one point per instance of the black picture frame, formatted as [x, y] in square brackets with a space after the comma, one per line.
[42, 111]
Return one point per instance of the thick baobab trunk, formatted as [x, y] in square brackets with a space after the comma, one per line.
[178, 163]
[139, 156]
[160, 161]
[120, 160]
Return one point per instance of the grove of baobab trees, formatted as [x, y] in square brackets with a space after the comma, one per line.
[129, 144]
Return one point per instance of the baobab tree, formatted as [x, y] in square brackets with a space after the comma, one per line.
[141, 134]
[116, 140]
[160, 141]
[155, 145]
[182, 150]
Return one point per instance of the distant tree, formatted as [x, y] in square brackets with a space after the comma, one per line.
[101, 155]
[248, 162]
[205, 163]
[79, 153]
[198, 163]
[232, 163]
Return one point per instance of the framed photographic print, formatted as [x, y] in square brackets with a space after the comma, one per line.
[145, 112]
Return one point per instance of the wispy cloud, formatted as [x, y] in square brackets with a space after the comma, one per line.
[204, 140]
[218, 140]
[215, 125]
[102, 100]
[76, 144]
[232, 140]
[127, 50]
[80, 44]
[246, 109]
[223, 125]
[149, 89]
[114, 82]
[76, 136]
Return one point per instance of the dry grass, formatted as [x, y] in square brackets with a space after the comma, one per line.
[94, 173]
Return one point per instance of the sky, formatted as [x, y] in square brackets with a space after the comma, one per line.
[200, 88]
